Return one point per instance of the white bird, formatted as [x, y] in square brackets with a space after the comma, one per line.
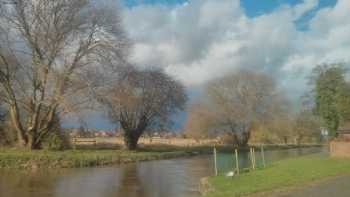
[230, 174]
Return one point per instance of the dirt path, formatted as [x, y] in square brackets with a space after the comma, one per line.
[335, 187]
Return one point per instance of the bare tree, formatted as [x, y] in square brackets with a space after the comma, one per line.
[306, 126]
[140, 99]
[48, 52]
[199, 122]
[281, 125]
[241, 99]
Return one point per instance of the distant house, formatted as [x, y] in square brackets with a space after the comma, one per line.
[340, 146]
[103, 133]
[343, 133]
[73, 132]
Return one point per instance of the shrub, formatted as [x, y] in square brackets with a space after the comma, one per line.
[7, 134]
[6, 137]
[58, 140]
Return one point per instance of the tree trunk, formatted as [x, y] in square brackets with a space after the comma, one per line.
[132, 134]
[245, 138]
[28, 143]
[22, 138]
[235, 140]
[131, 139]
[21, 142]
[35, 144]
[131, 142]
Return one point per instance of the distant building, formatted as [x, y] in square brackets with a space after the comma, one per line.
[102, 133]
[343, 133]
[88, 133]
[340, 146]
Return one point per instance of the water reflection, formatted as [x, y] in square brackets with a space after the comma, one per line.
[167, 178]
[92, 182]
[24, 184]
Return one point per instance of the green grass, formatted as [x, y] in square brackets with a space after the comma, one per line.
[24, 159]
[290, 172]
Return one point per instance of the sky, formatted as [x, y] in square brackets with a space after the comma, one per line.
[198, 40]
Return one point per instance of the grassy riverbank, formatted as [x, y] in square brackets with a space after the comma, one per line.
[279, 175]
[88, 156]
[23, 159]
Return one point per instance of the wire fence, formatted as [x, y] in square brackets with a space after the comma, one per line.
[230, 163]
[238, 161]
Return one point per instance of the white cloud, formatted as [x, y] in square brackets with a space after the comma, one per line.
[301, 9]
[203, 39]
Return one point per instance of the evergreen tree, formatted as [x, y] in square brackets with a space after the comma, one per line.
[331, 95]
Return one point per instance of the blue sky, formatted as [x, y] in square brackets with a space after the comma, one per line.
[252, 7]
[257, 7]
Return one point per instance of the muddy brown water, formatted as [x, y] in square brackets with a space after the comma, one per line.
[164, 178]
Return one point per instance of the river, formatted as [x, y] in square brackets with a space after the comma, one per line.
[164, 178]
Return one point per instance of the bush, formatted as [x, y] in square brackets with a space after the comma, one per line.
[57, 140]
[7, 138]
[7, 134]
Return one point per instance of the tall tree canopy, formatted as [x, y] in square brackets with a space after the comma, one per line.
[48, 52]
[139, 99]
[331, 94]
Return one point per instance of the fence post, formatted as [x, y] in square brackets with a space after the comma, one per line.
[215, 165]
[263, 156]
[237, 162]
[250, 156]
[254, 158]
[74, 143]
